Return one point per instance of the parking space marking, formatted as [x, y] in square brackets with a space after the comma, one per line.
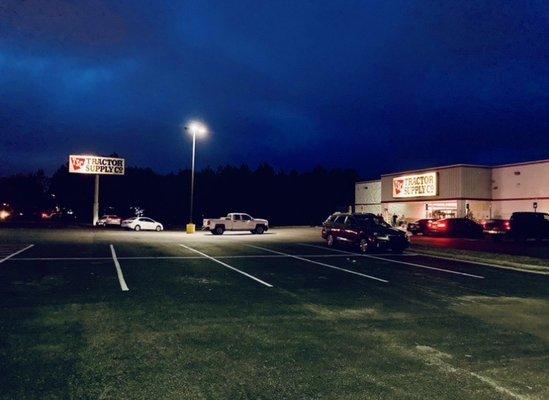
[449, 271]
[484, 264]
[62, 258]
[121, 279]
[235, 256]
[14, 254]
[353, 253]
[227, 265]
[320, 263]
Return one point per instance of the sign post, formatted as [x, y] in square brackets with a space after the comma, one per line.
[96, 201]
[94, 165]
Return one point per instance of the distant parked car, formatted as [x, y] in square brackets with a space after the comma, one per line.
[366, 231]
[529, 225]
[235, 222]
[142, 223]
[420, 226]
[106, 220]
[460, 227]
[496, 228]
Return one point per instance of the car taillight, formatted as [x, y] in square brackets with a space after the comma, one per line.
[507, 225]
[441, 225]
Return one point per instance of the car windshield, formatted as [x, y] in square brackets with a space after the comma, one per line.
[362, 219]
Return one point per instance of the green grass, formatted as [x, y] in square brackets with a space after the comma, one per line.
[192, 329]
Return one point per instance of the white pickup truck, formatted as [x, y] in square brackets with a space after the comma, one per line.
[235, 222]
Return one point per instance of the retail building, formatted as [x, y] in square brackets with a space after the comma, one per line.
[477, 191]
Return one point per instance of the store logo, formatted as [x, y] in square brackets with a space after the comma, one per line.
[397, 186]
[77, 163]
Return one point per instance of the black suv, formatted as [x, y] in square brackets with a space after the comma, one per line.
[526, 225]
[367, 231]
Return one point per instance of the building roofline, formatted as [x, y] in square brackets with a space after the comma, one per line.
[438, 168]
[466, 166]
[522, 163]
[368, 181]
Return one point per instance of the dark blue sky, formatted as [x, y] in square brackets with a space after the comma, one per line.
[379, 86]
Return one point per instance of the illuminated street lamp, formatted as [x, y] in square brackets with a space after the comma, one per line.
[195, 128]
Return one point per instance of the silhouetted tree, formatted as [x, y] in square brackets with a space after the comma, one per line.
[284, 198]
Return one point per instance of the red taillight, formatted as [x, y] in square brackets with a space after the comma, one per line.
[441, 225]
[507, 225]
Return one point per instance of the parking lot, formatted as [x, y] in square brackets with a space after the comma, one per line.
[529, 248]
[115, 314]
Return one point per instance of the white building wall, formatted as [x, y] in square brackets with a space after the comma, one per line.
[490, 192]
[516, 187]
[368, 197]
[479, 210]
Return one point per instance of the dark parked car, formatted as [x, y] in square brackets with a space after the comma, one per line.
[461, 227]
[420, 226]
[496, 228]
[367, 231]
[526, 225]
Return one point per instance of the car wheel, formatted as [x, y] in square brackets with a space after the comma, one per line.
[364, 245]
[219, 230]
[259, 230]
[158, 228]
[330, 241]
[137, 228]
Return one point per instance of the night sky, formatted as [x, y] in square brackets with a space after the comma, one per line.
[379, 86]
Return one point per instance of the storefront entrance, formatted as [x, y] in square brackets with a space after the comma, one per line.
[443, 209]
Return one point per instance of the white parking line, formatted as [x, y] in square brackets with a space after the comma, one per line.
[354, 253]
[484, 264]
[227, 265]
[407, 254]
[319, 263]
[121, 279]
[14, 254]
[449, 271]
[235, 256]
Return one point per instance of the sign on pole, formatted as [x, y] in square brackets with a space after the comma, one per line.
[82, 164]
[94, 165]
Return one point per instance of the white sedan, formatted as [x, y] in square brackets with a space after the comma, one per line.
[142, 223]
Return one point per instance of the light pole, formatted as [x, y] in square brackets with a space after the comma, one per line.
[195, 128]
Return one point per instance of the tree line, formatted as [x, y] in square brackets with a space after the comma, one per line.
[285, 198]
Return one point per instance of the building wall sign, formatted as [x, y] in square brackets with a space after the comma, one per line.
[82, 164]
[420, 185]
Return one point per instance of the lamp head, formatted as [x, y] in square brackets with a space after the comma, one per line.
[197, 128]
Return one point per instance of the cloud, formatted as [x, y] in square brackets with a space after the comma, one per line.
[376, 86]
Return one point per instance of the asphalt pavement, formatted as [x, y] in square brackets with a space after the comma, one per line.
[530, 248]
[92, 313]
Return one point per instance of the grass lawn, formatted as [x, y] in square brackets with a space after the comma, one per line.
[194, 329]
